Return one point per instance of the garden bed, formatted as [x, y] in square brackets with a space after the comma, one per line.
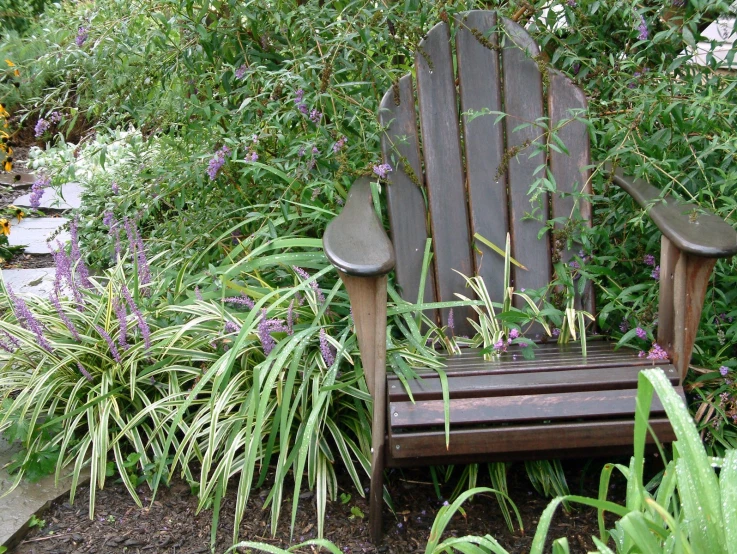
[171, 526]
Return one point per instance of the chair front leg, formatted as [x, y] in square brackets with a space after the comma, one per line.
[684, 279]
[368, 303]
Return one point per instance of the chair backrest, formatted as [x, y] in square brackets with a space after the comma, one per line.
[477, 172]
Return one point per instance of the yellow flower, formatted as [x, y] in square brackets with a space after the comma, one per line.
[18, 212]
[8, 165]
[4, 227]
[3, 111]
[15, 71]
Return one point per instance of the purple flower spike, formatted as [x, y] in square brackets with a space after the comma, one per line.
[723, 371]
[41, 127]
[60, 312]
[84, 372]
[242, 300]
[327, 352]
[110, 343]
[290, 318]
[37, 191]
[12, 344]
[198, 294]
[231, 327]
[241, 71]
[338, 146]
[556, 332]
[657, 353]
[264, 330]
[27, 320]
[382, 170]
[82, 36]
[213, 168]
[641, 333]
[451, 320]
[649, 259]
[656, 273]
[513, 334]
[142, 325]
[80, 267]
[315, 116]
[122, 314]
[643, 29]
[624, 326]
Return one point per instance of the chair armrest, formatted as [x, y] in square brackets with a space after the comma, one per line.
[355, 242]
[685, 225]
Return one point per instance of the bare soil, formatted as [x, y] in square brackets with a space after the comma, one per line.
[171, 525]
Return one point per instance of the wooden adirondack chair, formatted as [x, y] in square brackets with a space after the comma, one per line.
[561, 403]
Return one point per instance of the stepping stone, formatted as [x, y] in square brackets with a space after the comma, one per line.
[17, 179]
[70, 198]
[27, 500]
[38, 281]
[34, 232]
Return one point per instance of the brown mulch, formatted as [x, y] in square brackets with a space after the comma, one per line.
[172, 526]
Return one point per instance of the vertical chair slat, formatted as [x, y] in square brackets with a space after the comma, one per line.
[441, 151]
[523, 103]
[406, 204]
[478, 75]
[565, 100]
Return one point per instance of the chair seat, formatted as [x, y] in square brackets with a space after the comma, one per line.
[559, 402]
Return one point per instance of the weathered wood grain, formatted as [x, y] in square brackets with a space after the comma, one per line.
[691, 278]
[479, 78]
[523, 104]
[518, 409]
[488, 385]
[669, 255]
[517, 442]
[441, 150]
[405, 201]
[368, 302]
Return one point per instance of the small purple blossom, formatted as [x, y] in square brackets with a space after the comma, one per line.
[241, 71]
[298, 96]
[657, 353]
[264, 330]
[303, 108]
[198, 294]
[110, 343]
[217, 162]
[306, 277]
[723, 371]
[84, 372]
[231, 327]
[656, 273]
[572, 3]
[451, 320]
[500, 345]
[315, 150]
[114, 187]
[649, 259]
[241, 300]
[327, 352]
[556, 332]
[513, 334]
[108, 220]
[624, 326]
[338, 146]
[82, 36]
[382, 170]
[41, 127]
[55, 117]
[642, 28]
[641, 333]
[301, 151]
[37, 191]
[573, 264]
[315, 116]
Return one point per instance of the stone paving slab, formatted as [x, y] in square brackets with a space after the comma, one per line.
[70, 198]
[39, 281]
[26, 500]
[17, 179]
[35, 231]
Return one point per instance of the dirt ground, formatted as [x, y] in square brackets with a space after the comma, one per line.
[172, 526]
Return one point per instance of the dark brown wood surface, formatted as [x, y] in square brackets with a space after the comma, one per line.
[405, 202]
[688, 227]
[475, 386]
[523, 103]
[669, 255]
[479, 78]
[441, 150]
[519, 408]
[516, 442]
[355, 242]
[368, 301]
